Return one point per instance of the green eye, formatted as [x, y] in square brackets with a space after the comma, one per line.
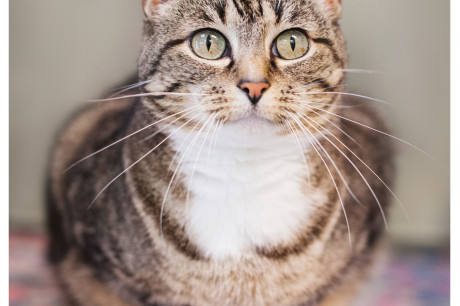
[209, 44]
[291, 44]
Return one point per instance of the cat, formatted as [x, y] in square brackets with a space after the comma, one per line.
[233, 172]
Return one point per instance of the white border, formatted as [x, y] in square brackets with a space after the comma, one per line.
[4, 158]
[455, 147]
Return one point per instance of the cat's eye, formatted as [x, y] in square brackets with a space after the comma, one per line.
[209, 44]
[291, 44]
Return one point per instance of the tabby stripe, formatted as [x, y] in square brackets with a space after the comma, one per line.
[171, 88]
[204, 16]
[238, 8]
[322, 83]
[231, 65]
[312, 234]
[294, 16]
[247, 7]
[261, 9]
[279, 10]
[273, 64]
[172, 231]
[221, 11]
[170, 44]
[328, 43]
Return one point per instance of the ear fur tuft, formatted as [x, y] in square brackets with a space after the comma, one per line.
[334, 7]
[149, 6]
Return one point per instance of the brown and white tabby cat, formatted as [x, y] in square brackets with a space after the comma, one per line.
[233, 173]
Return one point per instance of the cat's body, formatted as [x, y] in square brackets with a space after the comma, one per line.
[252, 216]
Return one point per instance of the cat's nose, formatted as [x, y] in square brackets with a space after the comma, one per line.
[254, 90]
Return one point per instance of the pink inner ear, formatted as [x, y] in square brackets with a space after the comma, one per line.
[334, 2]
[152, 2]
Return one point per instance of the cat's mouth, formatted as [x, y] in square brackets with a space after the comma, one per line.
[255, 119]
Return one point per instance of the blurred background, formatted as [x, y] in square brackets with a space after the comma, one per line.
[63, 52]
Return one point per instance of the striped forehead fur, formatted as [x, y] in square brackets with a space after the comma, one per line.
[250, 28]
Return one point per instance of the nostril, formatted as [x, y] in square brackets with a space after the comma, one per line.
[254, 90]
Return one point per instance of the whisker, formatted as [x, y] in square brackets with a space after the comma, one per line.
[129, 87]
[362, 71]
[330, 87]
[300, 148]
[199, 154]
[130, 135]
[336, 86]
[332, 178]
[218, 125]
[222, 122]
[175, 173]
[352, 194]
[181, 146]
[335, 125]
[135, 163]
[375, 174]
[293, 91]
[324, 103]
[169, 124]
[355, 167]
[149, 94]
[342, 93]
[381, 132]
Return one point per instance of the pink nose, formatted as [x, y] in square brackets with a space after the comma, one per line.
[254, 90]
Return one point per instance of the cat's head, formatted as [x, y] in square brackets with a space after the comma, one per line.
[270, 62]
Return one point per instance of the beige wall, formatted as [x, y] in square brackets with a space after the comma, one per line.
[65, 51]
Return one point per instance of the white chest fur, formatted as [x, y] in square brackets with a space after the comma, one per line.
[247, 190]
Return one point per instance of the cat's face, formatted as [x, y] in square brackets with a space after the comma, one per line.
[231, 61]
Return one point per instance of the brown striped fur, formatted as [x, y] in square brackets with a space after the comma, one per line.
[113, 252]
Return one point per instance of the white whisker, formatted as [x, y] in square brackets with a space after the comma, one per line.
[362, 71]
[352, 194]
[335, 125]
[354, 166]
[370, 169]
[175, 173]
[324, 103]
[199, 154]
[222, 122]
[332, 178]
[149, 94]
[381, 132]
[300, 148]
[135, 163]
[130, 135]
[218, 125]
[342, 93]
[129, 87]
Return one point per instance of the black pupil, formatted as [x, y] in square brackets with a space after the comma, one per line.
[209, 42]
[292, 43]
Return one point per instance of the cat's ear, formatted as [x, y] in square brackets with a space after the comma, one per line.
[149, 6]
[334, 7]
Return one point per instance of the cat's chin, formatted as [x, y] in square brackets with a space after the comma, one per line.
[253, 123]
